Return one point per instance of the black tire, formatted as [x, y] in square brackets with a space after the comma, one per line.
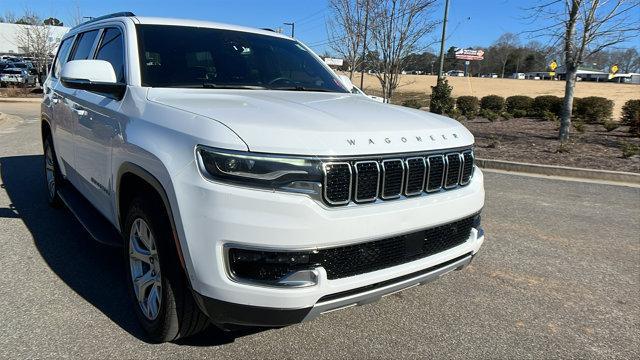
[51, 184]
[178, 315]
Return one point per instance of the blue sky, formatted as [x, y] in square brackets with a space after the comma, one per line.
[471, 22]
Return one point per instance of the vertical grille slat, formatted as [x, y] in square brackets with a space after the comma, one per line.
[453, 169]
[435, 174]
[415, 176]
[367, 181]
[337, 183]
[467, 167]
[392, 178]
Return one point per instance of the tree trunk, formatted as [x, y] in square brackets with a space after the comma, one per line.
[567, 105]
[504, 65]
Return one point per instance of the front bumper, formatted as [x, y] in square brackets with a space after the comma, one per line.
[213, 215]
[222, 312]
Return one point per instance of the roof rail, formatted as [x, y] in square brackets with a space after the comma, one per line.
[109, 16]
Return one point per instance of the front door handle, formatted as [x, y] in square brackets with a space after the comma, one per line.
[79, 110]
[55, 100]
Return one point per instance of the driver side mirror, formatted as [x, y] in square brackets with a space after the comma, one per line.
[92, 75]
[346, 82]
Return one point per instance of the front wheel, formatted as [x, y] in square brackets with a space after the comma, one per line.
[162, 299]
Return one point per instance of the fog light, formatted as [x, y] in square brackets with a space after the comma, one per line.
[276, 268]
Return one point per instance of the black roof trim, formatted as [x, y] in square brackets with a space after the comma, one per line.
[109, 16]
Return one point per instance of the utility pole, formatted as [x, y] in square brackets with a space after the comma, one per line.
[293, 28]
[444, 31]
[364, 45]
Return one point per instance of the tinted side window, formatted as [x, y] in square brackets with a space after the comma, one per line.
[83, 45]
[63, 54]
[111, 50]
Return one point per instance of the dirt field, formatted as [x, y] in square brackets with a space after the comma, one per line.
[479, 87]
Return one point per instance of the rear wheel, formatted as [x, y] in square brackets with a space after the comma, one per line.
[162, 300]
[52, 173]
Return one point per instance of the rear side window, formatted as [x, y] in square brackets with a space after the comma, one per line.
[111, 49]
[63, 54]
[85, 41]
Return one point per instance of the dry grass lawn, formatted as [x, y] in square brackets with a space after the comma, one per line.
[421, 84]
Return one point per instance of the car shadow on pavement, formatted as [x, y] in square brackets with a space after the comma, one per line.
[94, 271]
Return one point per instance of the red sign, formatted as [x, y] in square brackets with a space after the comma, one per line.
[469, 54]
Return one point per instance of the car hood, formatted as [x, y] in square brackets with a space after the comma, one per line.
[315, 123]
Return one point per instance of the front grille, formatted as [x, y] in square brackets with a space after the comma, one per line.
[389, 179]
[452, 174]
[337, 183]
[392, 178]
[361, 258]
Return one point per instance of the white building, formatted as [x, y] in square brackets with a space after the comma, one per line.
[9, 34]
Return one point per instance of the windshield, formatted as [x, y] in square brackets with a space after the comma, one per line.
[189, 57]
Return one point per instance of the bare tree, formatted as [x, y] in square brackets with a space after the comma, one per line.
[585, 27]
[8, 17]
[34, 38]
[397, 27]
[503, 48]
[75, 14]
[346, 30]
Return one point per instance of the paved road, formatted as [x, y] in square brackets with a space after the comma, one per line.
[558, 277]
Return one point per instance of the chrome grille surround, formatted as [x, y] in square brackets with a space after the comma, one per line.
[409, 173]
[326, 168]
[450, 168]
[431, 174]
[357, 177]
[385, 179]
[438, 176]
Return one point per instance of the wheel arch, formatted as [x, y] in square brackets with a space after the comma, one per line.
[132, 177]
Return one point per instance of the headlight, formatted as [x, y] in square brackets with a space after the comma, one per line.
[300, 174]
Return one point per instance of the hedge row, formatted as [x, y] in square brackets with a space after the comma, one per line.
[591, 109]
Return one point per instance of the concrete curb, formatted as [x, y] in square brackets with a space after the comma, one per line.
[12, 99]
[561, 171]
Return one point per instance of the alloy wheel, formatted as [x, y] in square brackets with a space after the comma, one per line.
[145, 269]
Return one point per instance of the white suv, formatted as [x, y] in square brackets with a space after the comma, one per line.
[247, 185]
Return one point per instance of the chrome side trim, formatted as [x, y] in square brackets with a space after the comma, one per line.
[324, 183]
[355, 196]
[376, 294]
[444, 168]
[408, 171]
[384, 178]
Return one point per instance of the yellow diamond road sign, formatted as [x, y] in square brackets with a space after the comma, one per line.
[553, 66]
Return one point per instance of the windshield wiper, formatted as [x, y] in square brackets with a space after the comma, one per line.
[299, 88]
[226, 86]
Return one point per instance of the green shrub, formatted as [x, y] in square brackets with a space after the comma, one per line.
[413, 103]
[579, 126]
[610, 125]
[546, 103]
[468, 106]
[494, 103]
[550, 116]
[520, 113]
[519, 103]
[631, 116]
[506, 115]
[489, 115]
[594, 109]
[441, 101]
[629, 150]
[454, 114]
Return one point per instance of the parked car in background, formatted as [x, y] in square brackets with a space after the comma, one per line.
[18, 76]
[519, 76]
[455, 73]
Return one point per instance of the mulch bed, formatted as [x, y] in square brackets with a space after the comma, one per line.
[535, 141]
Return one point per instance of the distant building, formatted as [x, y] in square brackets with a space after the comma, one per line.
[10, 33]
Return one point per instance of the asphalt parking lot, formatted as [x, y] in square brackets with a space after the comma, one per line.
[558, 277]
